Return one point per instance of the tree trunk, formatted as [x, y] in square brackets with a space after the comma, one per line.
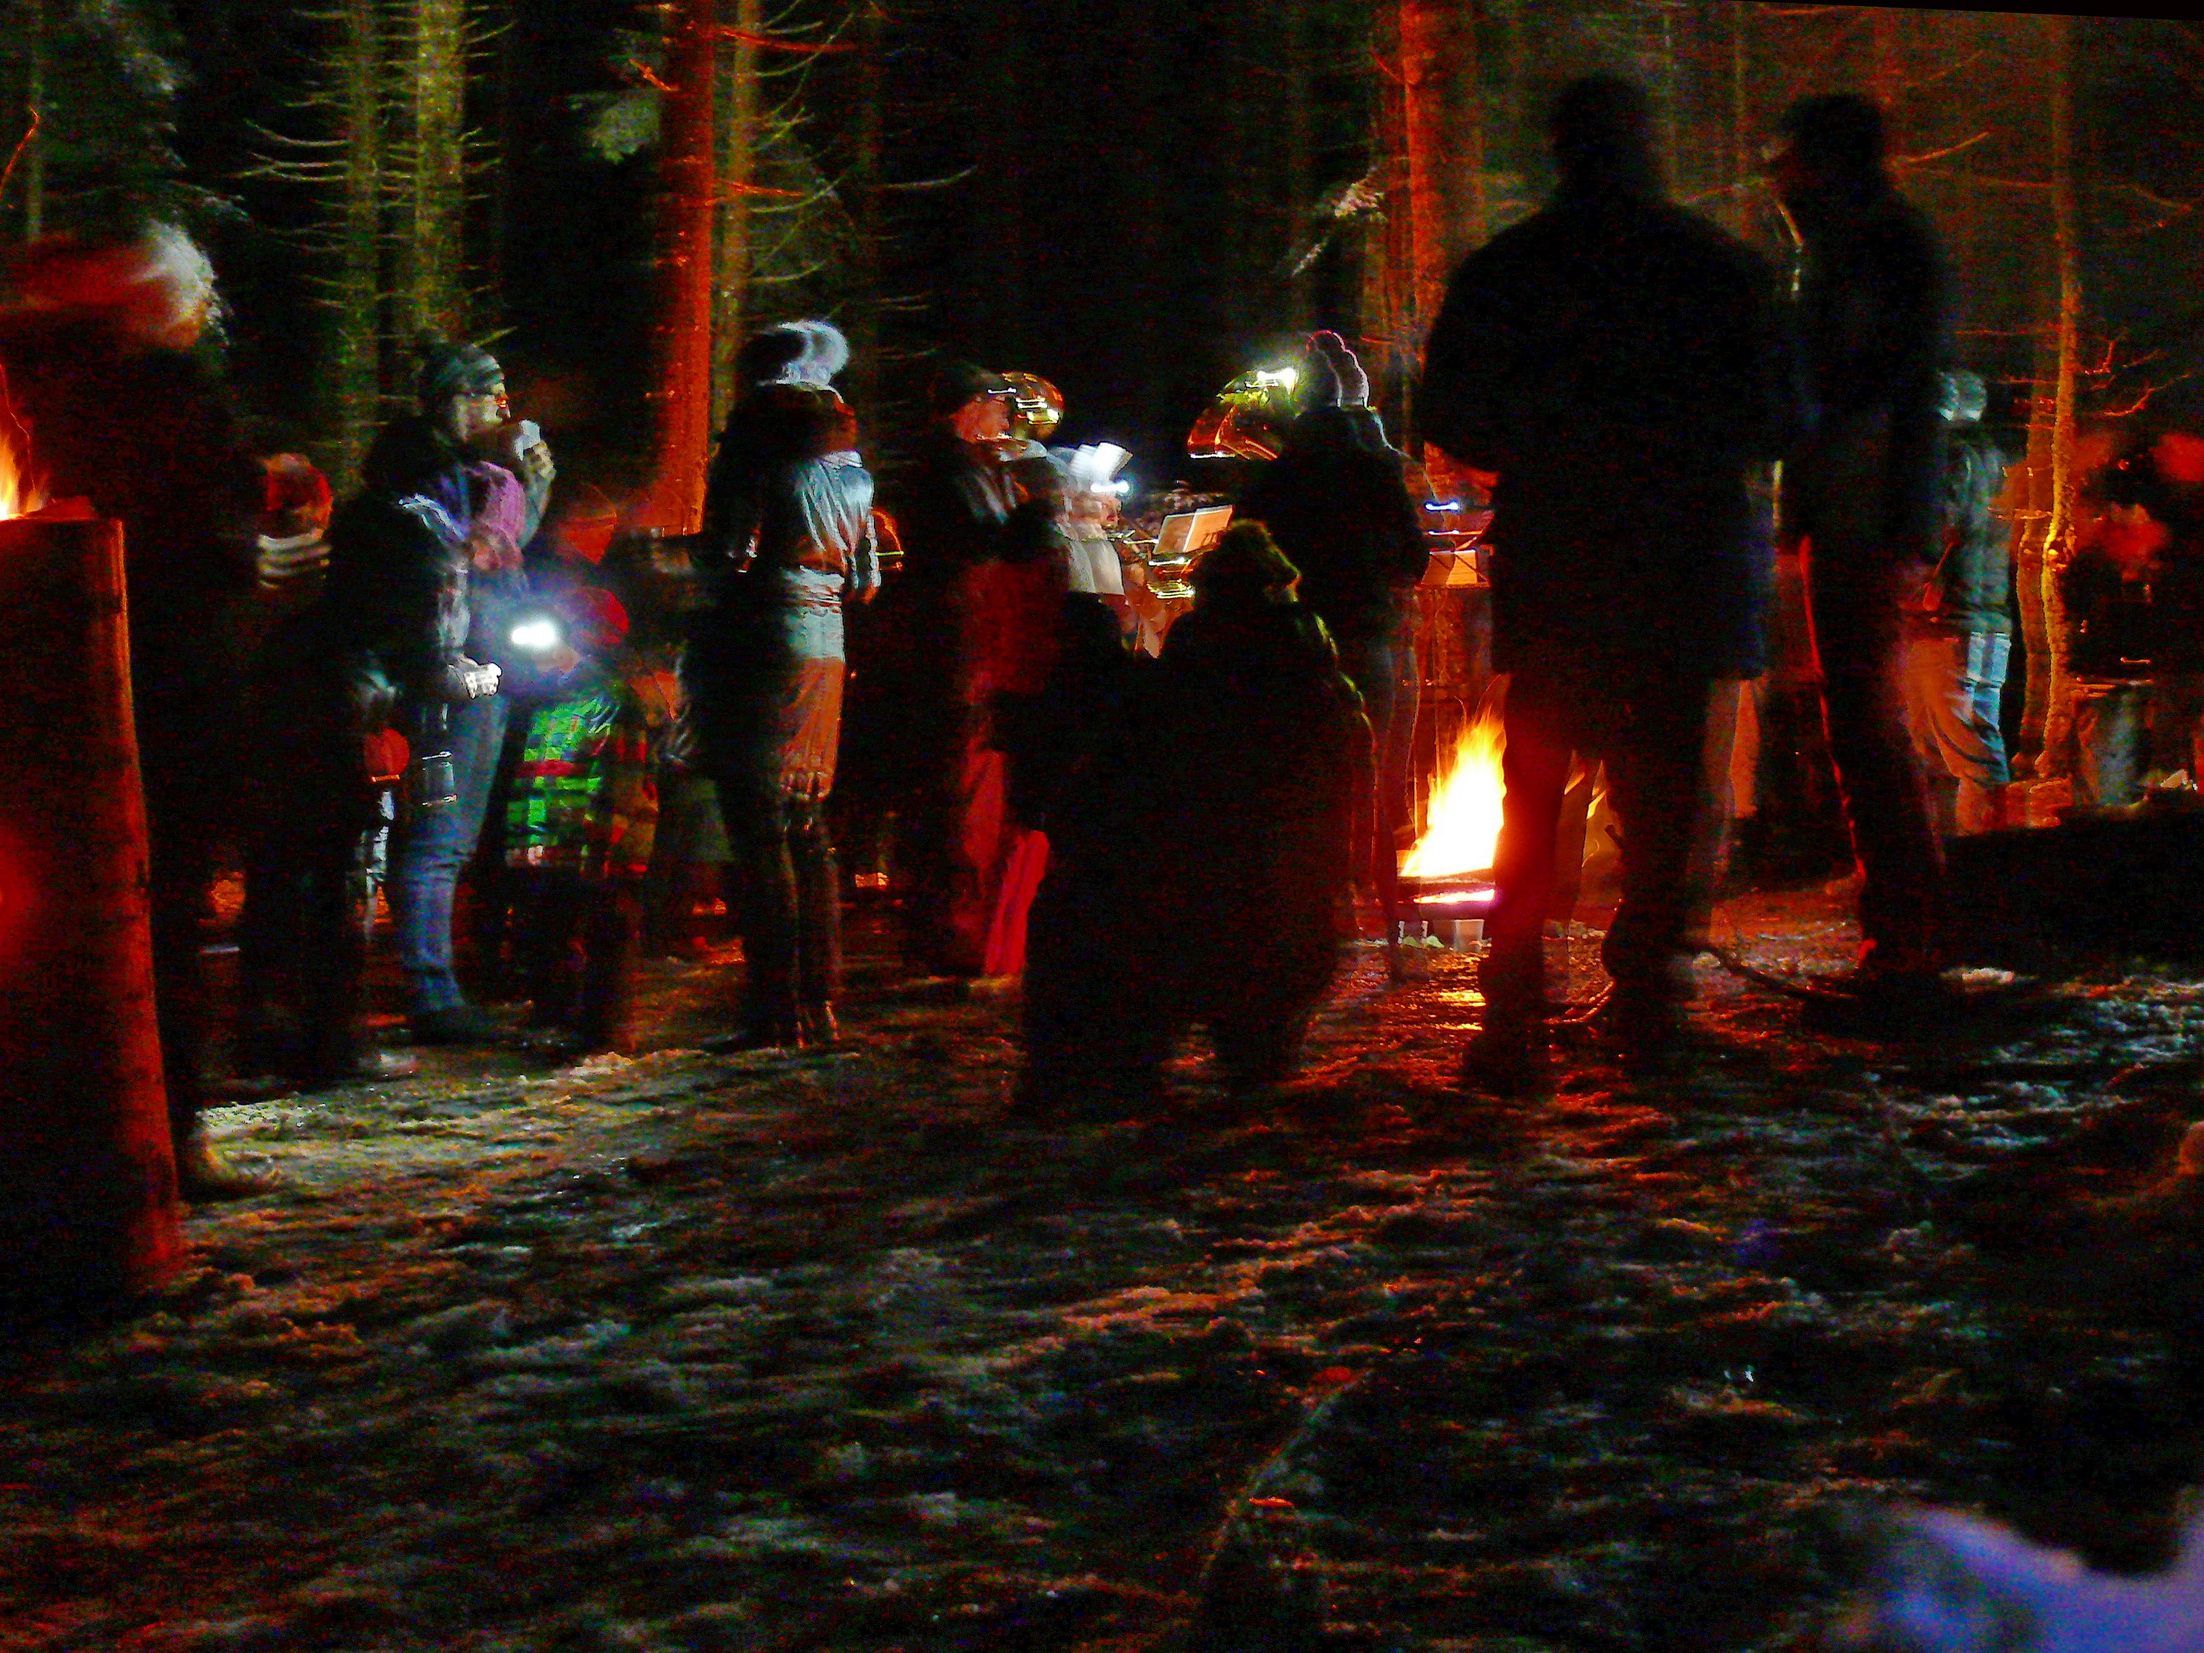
[432, 205]
[1388, 242]
[87, 1181]
[355, 377]
[1742, 169]
[737, 162]
[1445, 144]
[866, 180]
[34, 99]
[1885, 75]
[2029, 494]
[1300, 151]
[2055, 718]
[683, 330]
[1003, 143]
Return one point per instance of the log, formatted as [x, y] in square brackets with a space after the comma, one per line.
[88, 1205]
[2090, 888]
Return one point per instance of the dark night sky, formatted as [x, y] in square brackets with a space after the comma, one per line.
[1101, 237]
[1114, 229]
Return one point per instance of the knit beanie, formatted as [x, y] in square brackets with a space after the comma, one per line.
[443, 370]
[1328, 350]
[960, 382]
[826, 353]
[1841, 133]
[1244, 564]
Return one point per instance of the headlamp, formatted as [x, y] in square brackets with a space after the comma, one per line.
[537, 634]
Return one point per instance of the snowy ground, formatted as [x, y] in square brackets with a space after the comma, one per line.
[835, 1352]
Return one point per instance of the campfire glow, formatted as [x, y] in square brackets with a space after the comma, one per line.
[20, 494]
[1465, 810]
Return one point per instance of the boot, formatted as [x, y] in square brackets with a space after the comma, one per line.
[549, 949]
[818, 910]
[614, 928]
[757, 1032]
[205, 1177]
[1509, 1060]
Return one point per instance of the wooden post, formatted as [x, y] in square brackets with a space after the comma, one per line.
[87, 1174]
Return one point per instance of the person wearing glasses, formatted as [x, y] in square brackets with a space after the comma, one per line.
[446, 580]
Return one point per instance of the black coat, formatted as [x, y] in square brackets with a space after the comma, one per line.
[951, 511]
[396, 598]
[1617, 360]
[1198, 856]
[1872, 320]
[1336, 503]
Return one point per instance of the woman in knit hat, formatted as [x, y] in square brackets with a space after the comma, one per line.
[429, 555]
[788, 537]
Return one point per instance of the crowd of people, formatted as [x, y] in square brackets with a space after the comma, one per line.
[428, 679]
[442, 680]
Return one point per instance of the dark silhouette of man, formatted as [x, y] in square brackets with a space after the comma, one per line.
[1613, 360]
[1337, 502]
[1864, 492]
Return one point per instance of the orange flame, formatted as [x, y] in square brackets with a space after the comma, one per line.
[1464, 825]
[20, 493]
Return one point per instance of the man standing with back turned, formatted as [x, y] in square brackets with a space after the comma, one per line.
[1865, 491]
[1613, 360]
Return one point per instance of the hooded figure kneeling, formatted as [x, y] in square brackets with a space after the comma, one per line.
[1198, 864]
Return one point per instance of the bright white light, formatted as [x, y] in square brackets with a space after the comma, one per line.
[539, 635]
[1285, 378]
[1121, 488]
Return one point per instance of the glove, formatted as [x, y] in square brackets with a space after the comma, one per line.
[466, 680]
[277, 561]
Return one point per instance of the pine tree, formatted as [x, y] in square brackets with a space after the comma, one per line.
[93, 88]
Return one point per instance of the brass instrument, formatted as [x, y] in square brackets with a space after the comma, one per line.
[1036, 406]
[1248, 419]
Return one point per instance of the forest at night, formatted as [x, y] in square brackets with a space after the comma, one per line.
[1085, 826]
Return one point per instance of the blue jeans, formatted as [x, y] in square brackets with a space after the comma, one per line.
[434, 848]
[2111, 742]
[1955, 683]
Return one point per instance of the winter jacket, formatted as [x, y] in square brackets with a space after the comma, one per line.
[1243, 750]
[1617, 361]
[788, 491]
[2177, 575]
[1338, 507]
[950, 511]
[396, 601]
[2111, 633]
[1872, 314]
[1971, 589]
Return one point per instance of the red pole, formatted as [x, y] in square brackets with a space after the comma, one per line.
[87, 1176]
